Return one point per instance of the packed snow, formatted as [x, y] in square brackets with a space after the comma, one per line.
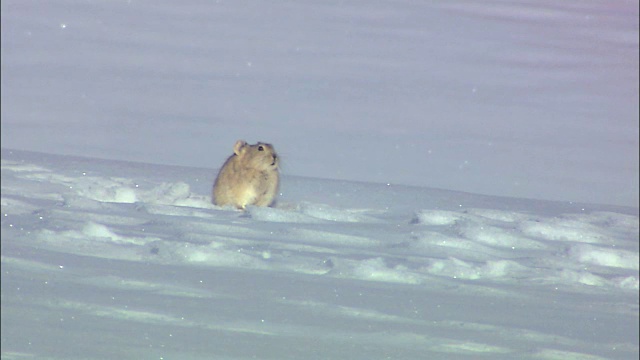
[459, 180]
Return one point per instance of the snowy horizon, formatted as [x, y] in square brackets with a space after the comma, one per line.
[500, 98]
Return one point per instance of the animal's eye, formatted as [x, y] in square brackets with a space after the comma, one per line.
[260, 148]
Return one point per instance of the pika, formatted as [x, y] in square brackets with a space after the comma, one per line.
[249, 177]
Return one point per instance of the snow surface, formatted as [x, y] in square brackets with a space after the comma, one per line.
[106, 259]
[535, 99]
[116, 114]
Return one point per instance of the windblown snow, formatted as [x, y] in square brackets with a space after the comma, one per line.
[104, 259]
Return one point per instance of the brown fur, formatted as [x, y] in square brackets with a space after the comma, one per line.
[248, 177]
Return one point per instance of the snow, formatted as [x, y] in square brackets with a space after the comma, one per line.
[108, 259]
[508, 98]
[460, 180]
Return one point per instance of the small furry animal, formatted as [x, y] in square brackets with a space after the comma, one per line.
[248, 177]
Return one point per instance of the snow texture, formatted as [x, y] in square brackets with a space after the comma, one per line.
[460, 180]
[104, 259]
[533, 99]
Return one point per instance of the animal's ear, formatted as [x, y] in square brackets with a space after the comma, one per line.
[238, 146]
